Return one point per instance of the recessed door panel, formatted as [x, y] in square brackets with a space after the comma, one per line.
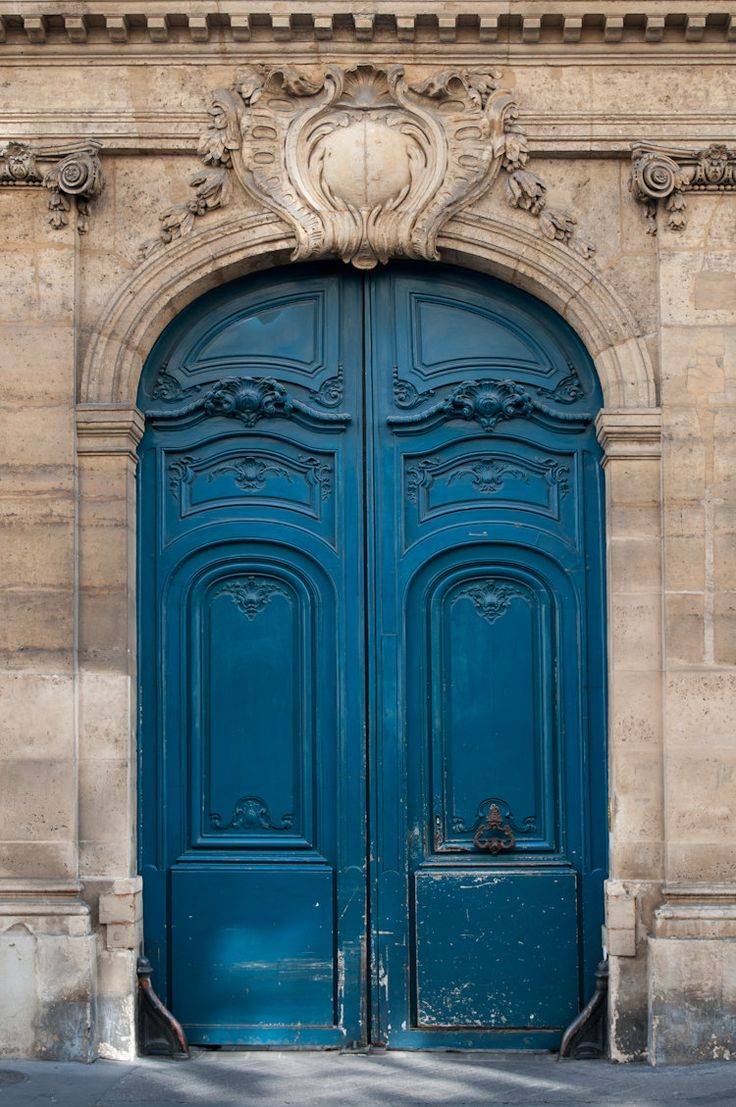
[490, 631]
[253, 708]
[252, 952]
[483, 950]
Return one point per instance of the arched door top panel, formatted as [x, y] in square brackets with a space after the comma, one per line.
[284, 323]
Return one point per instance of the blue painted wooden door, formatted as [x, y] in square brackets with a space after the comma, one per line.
[372, 663]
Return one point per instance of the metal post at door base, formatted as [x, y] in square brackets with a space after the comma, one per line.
[586, 1038]
[159, 1033]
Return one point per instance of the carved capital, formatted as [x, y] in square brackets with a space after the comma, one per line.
[662, 174]
[109, 429]
[629, 434]
[73, 175]
[364, 163]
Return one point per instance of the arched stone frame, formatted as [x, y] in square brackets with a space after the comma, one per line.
[109, 429]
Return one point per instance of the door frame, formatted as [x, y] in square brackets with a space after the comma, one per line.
[109, 428]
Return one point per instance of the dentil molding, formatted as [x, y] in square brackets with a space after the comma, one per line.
[72, 174]
[568, 24]
[660, 174]
[365, 163]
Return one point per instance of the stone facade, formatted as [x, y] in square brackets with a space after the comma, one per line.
[601, 181]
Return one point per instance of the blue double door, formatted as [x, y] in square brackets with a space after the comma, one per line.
[372, 719]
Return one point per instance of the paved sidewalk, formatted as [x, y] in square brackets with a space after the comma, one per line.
[350, 1080]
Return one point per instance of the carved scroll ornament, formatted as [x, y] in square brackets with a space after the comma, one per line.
[661, 174]
[364, 163]
[73, 175]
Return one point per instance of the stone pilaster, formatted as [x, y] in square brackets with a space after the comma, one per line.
[107, 437]
[46, 947]
[693, 948]
[631, 443]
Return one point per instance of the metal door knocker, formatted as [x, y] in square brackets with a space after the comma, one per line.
[494, 834]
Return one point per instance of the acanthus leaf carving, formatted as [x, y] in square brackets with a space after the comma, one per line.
[249, 472]
[489, 402]
[528, 191]
[212, 185]
[663, 175]
[491, 598]
[251, 813]
[247, 399]
[74, 176]
[364, 163]
[487, 473]
[252, 594]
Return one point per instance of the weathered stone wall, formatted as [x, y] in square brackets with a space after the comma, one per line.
[78, 314]
[46, 947]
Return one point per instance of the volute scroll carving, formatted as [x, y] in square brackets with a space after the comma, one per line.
[660, 174]
[365, 163]
[72, 175]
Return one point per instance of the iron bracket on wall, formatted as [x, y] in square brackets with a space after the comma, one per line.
[586, 1038]
[159, 1033]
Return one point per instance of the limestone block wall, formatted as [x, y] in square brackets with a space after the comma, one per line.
[46, 945]
[695, 927]
[79, 312]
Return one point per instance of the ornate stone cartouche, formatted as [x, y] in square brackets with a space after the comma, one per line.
[364, 163]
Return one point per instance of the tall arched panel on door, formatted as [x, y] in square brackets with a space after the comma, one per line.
[372, 679]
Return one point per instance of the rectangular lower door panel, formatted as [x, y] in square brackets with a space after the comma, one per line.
[496, 950]
[252, 947]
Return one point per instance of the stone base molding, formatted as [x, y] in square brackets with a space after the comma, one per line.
[47, 965]
[692, 975]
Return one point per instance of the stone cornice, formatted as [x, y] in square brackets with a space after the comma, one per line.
[569, 24]
[629, 433]
[558, 135]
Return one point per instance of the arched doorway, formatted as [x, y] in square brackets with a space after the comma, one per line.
[372, 663]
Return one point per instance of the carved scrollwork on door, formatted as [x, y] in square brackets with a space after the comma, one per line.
[331, 391]
[407, 395]
[432, 481]
[251, 594]
[249, 472]
[488, 474]
[491, 598]
[488, 403]
[251, 813]
[249, 400]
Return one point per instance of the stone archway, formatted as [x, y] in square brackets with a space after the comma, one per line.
[170, 280]
[110, 427]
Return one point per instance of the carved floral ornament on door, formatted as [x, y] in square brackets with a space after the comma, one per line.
[364, 163]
